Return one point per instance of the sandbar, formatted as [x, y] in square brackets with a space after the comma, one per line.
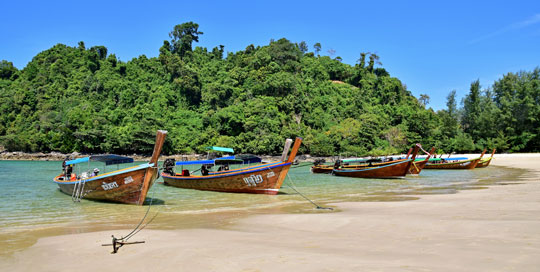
[493, 229]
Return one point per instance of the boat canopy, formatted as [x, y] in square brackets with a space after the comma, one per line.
[355, 160]
[202, 161]
[455, 158]
[238, 159]
[222, 149]
[107, 159]
[430, 159]
[79, 160]
[228, 161]
[248, 158]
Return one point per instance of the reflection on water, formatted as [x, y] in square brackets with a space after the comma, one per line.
[33, 207]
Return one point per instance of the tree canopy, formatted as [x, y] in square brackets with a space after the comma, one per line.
[85, 99]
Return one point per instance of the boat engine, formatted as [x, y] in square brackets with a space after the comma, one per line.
[319, 162]
[168, 166]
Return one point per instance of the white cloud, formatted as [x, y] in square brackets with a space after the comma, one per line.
[515, 26]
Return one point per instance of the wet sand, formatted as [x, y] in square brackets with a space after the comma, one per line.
[493, 229]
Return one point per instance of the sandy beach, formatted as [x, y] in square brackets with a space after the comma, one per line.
[492, 229]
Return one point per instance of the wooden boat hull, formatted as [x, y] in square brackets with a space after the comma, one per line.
[484, 163]
[327, 169]
[122, 186]
[396, 169]
[468, 164]
[129, 185]
[417, 167]
[462, 164]
[263, 179]
[320, 169]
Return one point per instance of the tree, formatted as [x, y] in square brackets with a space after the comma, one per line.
[183, 36]
[517, 95]
[100, 50]
[303, 47]
[451, 104]
[373, 59]
[317, 48]
[424, 99]
[284, 53]
[85, 99]
[471, 109]
[449, 123]
[362, 60]
[7, 70]
[218, 52]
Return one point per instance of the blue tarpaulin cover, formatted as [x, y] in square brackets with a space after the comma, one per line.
[222, 149]
[79, 160]
[248, 158]
[203, 161]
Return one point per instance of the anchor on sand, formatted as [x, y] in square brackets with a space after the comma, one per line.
[118, 243]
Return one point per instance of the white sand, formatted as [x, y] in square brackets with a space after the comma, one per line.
[496, 229]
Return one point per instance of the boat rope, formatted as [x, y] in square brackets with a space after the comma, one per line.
[138, 227]
[144, 226]
[119, 242]
[306, 164]
[420, 146]
[292, 186]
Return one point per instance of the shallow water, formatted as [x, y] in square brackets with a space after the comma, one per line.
[33, 207]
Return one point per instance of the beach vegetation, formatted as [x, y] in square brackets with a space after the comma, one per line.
[87, 100]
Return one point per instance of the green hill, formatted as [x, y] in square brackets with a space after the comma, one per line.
[84, 99]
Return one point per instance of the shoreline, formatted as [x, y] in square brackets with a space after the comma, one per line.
[494, 229]
[57, 156]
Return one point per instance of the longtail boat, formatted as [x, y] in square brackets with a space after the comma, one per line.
[265, 178]
[449, 163]
[417, 166]
[129, 185]
[398, 168]
[415, 169]
[485, 161]
[349, 163]
[327, 169]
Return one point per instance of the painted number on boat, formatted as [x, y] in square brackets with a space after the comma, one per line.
[253, 180]
[128, 180]
[109, 186]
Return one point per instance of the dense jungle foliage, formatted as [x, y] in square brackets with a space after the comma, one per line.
[84, 99]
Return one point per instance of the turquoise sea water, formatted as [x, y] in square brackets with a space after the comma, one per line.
[32, 205]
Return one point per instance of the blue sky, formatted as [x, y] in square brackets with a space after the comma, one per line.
[432, 47]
